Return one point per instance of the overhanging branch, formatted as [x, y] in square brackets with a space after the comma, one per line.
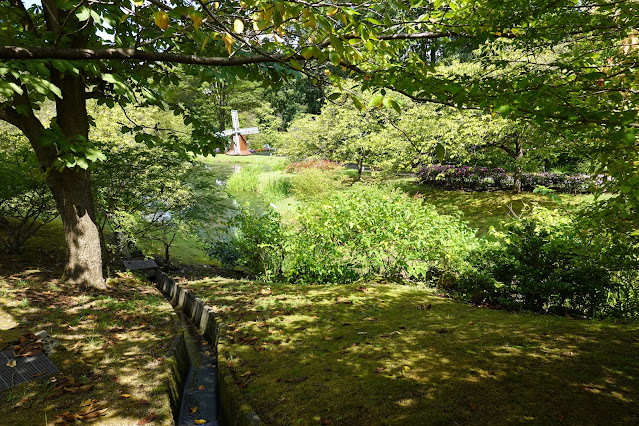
[129, 54]
[132, 54]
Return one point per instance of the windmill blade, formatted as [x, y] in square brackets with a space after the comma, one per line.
[236, 120]
[249, 131]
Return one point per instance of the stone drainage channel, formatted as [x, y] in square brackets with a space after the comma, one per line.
[202, 390]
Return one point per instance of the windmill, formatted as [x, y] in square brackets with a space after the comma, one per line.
[238, 146]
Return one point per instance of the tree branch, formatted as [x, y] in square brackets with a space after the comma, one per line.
[130, 54]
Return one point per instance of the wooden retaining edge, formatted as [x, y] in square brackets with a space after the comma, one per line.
[235, 409]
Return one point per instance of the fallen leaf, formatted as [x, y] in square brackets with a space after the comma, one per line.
[473, 406]
[325, 422]
[406, 369]
[204, 343]
[95, 414]
[11, 363]
[147, 419]
[193, 409]
[199, 422]
[380, 369]
[85, 403]
[201, 387]
[328, 338]
[298, 380]
[125, 395]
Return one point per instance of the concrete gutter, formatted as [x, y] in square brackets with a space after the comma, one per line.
[198, 342]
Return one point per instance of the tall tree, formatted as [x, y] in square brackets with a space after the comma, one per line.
[62, 50]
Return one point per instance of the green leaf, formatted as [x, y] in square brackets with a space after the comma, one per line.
[504, 110]
[377, 99]
[83, 14]
[296, 65]
[440, 152]
[82, 163]
[333, 96]
[335, 58]
[307, 52]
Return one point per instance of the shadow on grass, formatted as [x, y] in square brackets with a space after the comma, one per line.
[381, 354]
[115, 340]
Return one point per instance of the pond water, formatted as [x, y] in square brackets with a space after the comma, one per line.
[222, 172]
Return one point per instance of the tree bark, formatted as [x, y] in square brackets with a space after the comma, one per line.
[71, 190]
[518, 175]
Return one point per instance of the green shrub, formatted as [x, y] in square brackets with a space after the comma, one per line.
[280, 164]
[549, 263]
[373, 231]
[246, 180]
[25, 200]
[256, 243]
[310, 184]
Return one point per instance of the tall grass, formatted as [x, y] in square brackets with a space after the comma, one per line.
[246, 180]
[276, 189]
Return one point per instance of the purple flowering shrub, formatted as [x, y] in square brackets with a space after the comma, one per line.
[483, 178]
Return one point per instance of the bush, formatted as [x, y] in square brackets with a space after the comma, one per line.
[372, 231]
[317, 164]
[311, 183]
[482, 178]
[546, 263]
[280, 164]
[256, 243]
[25, 200]
[359, 233]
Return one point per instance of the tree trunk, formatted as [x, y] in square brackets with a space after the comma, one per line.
[360, 168]
[71, 190]
[517, 176]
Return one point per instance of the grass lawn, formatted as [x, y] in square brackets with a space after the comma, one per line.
[385, 354]
[485, 209]
[114, 344]
[260, 158]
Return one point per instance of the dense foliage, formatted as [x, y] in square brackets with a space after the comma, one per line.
[358, 233]
[546, 262]
[481, 178]
[25, 201]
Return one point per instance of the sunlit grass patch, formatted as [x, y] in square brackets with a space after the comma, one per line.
[387, 354]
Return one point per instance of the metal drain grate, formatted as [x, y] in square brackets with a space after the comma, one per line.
[26, 368]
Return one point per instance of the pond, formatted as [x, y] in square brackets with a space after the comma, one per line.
[221, 173]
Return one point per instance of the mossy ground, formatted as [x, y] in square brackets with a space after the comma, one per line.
[386, 354]
[115, 340]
